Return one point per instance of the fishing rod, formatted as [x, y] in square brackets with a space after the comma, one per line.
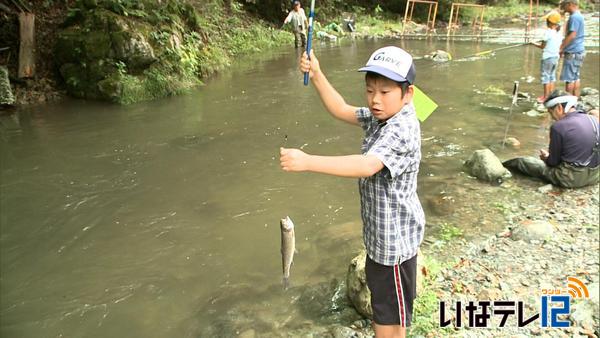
[483, 53]
[501, 48]
[493, 50]
[514, 101]
[311, 17]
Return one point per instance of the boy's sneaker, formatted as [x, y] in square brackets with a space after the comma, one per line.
[541, 99]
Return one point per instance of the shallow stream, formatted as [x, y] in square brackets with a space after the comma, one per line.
[159, 219]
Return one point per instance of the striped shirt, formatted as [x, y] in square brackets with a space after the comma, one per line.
[393, 219]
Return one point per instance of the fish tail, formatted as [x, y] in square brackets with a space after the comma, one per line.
[286, 283]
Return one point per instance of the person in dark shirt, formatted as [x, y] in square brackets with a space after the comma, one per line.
[572, 158]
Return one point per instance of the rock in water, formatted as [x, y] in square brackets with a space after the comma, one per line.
[6, 95]
[358, 292]
[492, 90]
[534, 113]
[484, 165]
[512, 142]
[356, 280]
[540, 108]
[441, 56]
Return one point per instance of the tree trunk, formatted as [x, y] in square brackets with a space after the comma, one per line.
[27, 45]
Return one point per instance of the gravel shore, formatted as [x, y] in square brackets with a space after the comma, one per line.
[552, 234]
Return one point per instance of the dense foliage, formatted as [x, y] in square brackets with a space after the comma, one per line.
[274, 10]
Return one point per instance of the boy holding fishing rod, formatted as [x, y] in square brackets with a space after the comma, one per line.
[393, 219]
[551, 47]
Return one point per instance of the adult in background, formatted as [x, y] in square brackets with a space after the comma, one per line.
[572, 49]
[571, 160]
[297, 18]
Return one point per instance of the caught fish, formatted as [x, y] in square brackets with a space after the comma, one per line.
[288, 247]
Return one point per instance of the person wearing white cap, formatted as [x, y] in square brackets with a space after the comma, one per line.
[551, 52]
[572, 159]
[387, 169]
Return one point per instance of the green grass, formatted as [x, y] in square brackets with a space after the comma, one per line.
[516, 8]
[449, 232]
[426, 306]
[376, 25]
[512, 9]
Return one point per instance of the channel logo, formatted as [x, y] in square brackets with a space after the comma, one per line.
[555, 306]
[577, 289]
[556, 302]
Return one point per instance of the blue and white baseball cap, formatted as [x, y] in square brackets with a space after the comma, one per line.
[392, 62]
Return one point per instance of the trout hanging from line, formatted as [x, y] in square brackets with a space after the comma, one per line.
[288, 247]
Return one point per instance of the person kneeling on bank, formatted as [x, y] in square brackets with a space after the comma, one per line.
[572, 158]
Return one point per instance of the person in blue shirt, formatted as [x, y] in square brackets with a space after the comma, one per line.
[551, 46]
[572, 49]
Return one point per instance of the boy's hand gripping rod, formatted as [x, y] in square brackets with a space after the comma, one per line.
[311, 17]
[514, 101]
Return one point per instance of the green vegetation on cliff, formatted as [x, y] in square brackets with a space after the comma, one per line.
[127, 51]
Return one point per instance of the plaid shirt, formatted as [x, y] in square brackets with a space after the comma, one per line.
[393, 219]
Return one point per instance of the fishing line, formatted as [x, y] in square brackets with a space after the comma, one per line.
[492, 50]
[514, 102]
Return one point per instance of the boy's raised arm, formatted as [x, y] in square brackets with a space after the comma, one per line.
[332, 100]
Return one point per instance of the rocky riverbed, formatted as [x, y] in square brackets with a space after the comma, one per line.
[551, 234]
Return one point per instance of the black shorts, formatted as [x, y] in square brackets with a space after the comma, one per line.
[393, 290]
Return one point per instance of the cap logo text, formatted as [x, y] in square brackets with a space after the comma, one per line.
[383, 58]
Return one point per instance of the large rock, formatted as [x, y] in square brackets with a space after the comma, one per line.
[104, 53]
[134, 50]
[356, 281]
[484, 165]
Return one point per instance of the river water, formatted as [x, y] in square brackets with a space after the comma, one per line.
[157, 219]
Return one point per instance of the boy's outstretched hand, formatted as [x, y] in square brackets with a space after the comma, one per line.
[311, 66]
[293, 159]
